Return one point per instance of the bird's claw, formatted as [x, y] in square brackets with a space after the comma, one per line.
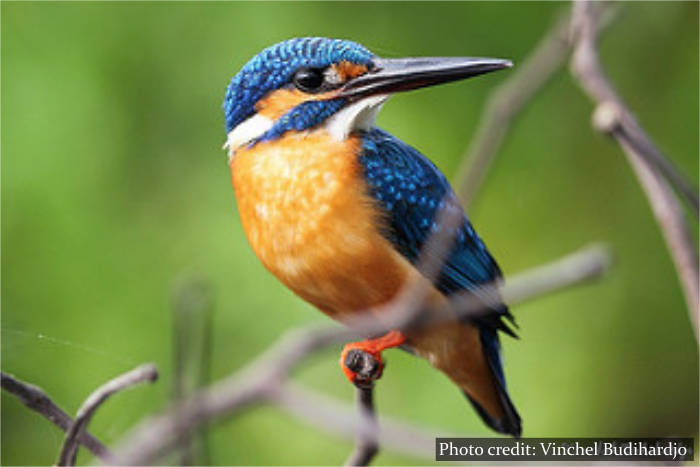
[362, 361]
[361, 367]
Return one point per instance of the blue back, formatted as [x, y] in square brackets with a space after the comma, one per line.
[274, 68]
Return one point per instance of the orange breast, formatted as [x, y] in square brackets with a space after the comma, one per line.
[306, 212]
[305, 209]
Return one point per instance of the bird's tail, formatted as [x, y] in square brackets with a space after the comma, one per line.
[508, 420]
[469, 354]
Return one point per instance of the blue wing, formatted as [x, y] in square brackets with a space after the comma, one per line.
[410, 189]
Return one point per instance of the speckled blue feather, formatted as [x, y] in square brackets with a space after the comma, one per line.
[274, 68]
[411, 190]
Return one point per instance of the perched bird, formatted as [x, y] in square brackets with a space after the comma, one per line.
[338, 209]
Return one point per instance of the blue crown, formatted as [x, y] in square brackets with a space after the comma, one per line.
[274, 67]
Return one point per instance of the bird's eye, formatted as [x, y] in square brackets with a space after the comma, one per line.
[309, 79]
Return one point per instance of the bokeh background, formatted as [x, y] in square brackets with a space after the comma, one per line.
[114, 188]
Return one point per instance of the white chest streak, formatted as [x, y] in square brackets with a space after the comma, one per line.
[245, 132]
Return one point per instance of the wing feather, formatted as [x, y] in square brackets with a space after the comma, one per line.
[411, 190]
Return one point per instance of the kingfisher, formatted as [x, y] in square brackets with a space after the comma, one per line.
[339, 210]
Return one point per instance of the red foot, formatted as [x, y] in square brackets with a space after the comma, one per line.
[362, 361]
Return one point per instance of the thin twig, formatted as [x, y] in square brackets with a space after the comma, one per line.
[192, 306]
[585, 66]
[674, 229]
[259, 381]
[37, 400]
[138, 375]
[367, 445]
[332, 416]
[506, 101]
[614, 118]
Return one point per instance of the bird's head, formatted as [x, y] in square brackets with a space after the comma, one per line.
[302, 84]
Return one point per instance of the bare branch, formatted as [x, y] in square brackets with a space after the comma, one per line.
[613, 117]
[587, 263]
[260, 380]
[153, 436]
[37, 400]
[328, 414]
[366, 446]
[506, 102]
[92, 403]
[585, 65]
[670, 217]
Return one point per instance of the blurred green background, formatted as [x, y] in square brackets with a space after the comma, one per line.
[114, 186]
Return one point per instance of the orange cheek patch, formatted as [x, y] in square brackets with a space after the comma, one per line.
[279, 102]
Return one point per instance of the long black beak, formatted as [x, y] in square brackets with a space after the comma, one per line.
[390, 75]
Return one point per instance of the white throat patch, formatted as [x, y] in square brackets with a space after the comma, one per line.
[359, 115]
[246, 132]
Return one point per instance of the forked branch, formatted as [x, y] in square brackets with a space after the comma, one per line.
[612, 117]
[37, 400]
[138, 375]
